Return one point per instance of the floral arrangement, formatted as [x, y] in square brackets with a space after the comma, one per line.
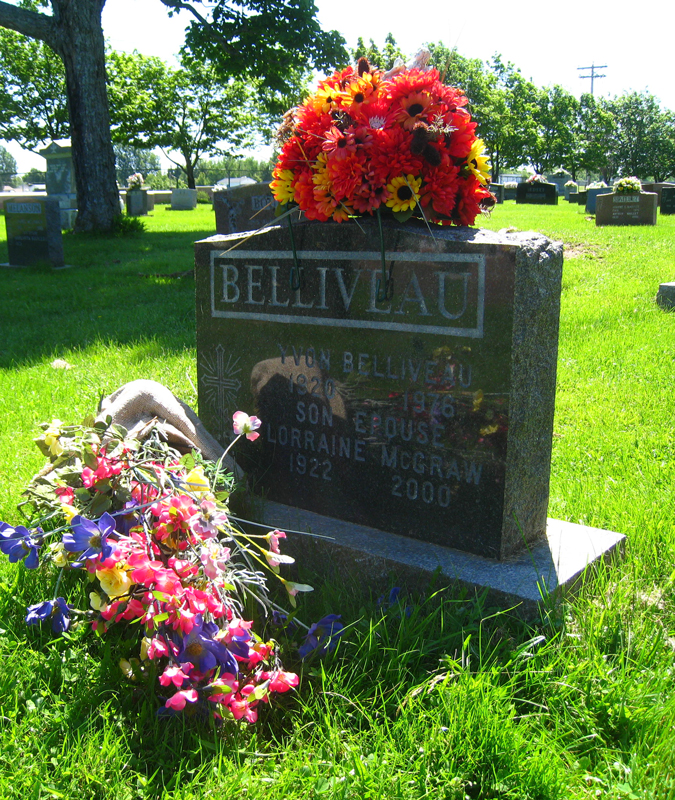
[135, 182]
[152, 533]
[597, 185]
[571, 183]
[630, 185]
[401, 141]
[536, 178]
[511, 185]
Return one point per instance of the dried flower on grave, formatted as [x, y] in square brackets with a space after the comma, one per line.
[151, 531]
[135, 181]
[367, 141]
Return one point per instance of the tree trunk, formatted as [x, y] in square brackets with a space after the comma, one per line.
[74, 32]
[189, 172]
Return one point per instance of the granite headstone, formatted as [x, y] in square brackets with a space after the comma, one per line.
[657, 188]
[243, 208]
[539, 193]
[591, 195]
[60, 179]
[427, 414]
[497, 190]
[183, 199]
[581, 196]
[138, 202]
[626, 209]
[668, 200]
[34, 232]
[666, 295]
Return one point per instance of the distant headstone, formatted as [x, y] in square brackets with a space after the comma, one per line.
[497, 190]
[539, 193]
[626, 209]
[510, 192]
[183, 199]
[581, 197]
[666, 295]
[657, 188]
[559, 181]
[668, 200]
[591, 195]
[572, 197]
[243, 208]
[428, 414]
[138, 202]
[60, 179]
[34, 232]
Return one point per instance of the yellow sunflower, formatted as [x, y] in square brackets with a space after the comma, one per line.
[404, 192]
[478, 162]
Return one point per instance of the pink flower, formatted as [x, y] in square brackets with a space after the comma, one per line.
[174, 674]
[283, 681]
[243, 424]
[178, 701]
[273, 539]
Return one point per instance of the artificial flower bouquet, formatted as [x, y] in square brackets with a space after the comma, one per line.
[135, 182]
[630, 185]
[536, 178]
[151, 531]
[367, 141]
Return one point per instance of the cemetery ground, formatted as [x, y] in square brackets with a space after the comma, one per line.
[439, 696]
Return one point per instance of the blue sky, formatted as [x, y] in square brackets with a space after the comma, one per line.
[546, 41]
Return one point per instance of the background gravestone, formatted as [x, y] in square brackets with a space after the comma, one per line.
[497, 190]
[428, 415]
[183, 199]
[668, 200]
[34, 232]
[657, 188]
[243, 208]
[61, 179]
[138, 202]
[538, 193]
[666, 295]
[581, 196]
[626, 209]
[591, 195]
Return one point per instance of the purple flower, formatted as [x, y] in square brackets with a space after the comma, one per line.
[203, 651]
[17, 543]
[89, 537]
[323, 636]
[58, 610]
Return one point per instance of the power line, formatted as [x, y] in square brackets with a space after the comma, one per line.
[593, 74]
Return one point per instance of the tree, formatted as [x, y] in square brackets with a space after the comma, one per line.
[188, 112]
[33, 105]
[7, 166]
[275, 40]
[553, 142]
[382, 59]
[134, 159]
[35, 176]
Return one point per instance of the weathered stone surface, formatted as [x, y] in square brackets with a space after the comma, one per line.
[667, 203]
[60, 179]
[34, 231]
[183, 199]
[428, 414]
[626, 209]
[244, 208]
[666, 295]
[539, 193]
[137, 202]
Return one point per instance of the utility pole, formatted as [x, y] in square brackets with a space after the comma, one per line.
[593, 74]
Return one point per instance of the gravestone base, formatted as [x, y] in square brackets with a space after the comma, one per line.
[666, 295]
[546, 571]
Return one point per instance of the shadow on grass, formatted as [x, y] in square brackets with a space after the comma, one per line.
[118, 290]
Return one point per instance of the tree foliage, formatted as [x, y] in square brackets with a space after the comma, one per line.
[383, 58]
[7, 165]
[129, 160]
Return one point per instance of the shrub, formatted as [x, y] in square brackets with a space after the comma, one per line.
[202, 197]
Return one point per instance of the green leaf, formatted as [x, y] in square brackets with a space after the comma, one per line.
[403, 216]
[281, 209]
[90, 459]
[188, 461]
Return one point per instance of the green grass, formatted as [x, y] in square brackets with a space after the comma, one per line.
[430, 698]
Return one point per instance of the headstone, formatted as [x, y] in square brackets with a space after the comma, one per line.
[572, 198]
[539, 193]
[581, 197]
[591, 195]
[427, 415]
[183, 199]
[668, 200]
[666, 295]
[34, 232]
[497, 190]
[510, 192]
[657, 188]
[559, 181]
[626, 209]
[61, 179]
[137, 202]
[567, 190]
[243, 208]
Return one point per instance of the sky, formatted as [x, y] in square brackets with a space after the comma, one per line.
[547, 41]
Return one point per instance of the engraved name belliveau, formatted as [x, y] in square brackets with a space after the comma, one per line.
[433, 292]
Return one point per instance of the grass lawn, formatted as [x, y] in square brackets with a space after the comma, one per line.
[425, 698]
